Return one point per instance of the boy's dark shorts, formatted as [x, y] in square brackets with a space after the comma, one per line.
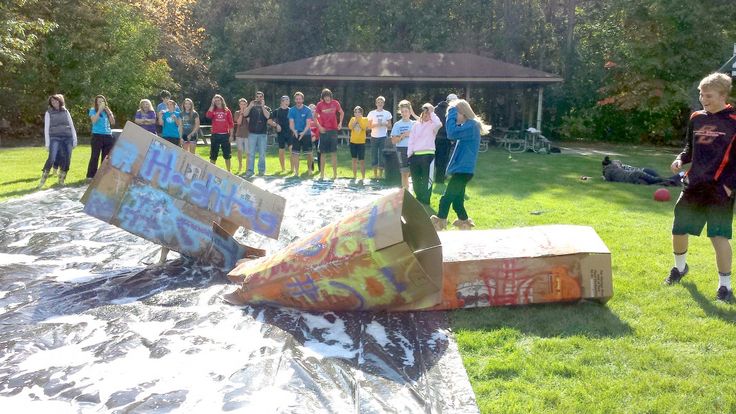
[301, 145]
[217, 141]
[690, 218]
[328, 142]
[357, 151]
[283, 140]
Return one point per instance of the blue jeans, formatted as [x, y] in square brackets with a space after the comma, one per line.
[257, 142]
[61, 147]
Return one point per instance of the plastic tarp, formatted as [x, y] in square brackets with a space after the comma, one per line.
[85, 325]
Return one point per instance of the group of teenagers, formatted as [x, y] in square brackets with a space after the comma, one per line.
[448, 135]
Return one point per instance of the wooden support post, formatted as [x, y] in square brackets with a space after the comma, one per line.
[540, 98]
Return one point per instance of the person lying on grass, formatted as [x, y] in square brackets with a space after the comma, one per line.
[618, 172]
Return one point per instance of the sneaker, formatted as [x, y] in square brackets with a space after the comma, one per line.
[675, 275]
[724, 294]
[44, 176]
[464, 224]
[438, 223]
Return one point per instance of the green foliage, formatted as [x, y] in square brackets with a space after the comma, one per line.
[646, 58]
[629, 67]
[20, 28]
[96, 48]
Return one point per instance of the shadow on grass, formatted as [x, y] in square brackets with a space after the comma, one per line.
[709, 305]
[587, 319]
[22, 180]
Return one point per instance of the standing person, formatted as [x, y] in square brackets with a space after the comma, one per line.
[164, 96]
[241, 132]
[708, 193]
[314, 129]
[258, 114]
[328, 124]
[358, 125]
[60, 136]
[280, 121]
[465, 128]
[145, 116]
[102, 141]
[443, 146]
[189, 125]
[400, 137]
[300, 117]
[380, 122]
[222, 126]
[421, 151]
[170, 121]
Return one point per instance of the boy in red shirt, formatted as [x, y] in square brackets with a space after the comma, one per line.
[326, 118]
[707, 196]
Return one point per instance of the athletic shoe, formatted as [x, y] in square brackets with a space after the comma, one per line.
[438, 223]
[44, 176]
[675, 275]
[464, 224]
[724, 294]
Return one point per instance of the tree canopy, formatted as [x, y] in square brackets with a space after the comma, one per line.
[629, 67]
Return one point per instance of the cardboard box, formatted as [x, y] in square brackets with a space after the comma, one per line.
[383, 256]
[160, 192]
[520, 266]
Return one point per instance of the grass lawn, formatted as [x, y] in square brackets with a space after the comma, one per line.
[650, 349]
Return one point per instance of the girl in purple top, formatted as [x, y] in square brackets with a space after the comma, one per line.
[145, 116]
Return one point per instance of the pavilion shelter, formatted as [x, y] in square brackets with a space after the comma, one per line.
[396, 75]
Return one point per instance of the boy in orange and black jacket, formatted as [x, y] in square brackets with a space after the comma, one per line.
[708, 193]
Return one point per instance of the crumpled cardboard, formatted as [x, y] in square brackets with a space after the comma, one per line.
[385, 256]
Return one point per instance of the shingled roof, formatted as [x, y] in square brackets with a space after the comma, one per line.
[400, 67]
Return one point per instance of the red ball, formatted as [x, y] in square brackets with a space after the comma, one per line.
[662, 194]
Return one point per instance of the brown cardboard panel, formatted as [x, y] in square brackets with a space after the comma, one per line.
[523, 266]
[350, 265]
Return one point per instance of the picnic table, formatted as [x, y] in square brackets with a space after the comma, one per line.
[521, 141]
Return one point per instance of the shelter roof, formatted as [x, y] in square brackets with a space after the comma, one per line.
[400, 67]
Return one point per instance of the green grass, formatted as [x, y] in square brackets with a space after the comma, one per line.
[650, 349]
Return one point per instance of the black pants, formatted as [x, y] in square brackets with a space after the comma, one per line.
[419, 168]
[101, 145]
[455, 196]
[443, 146]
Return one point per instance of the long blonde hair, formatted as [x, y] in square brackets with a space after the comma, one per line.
[150, 105]
[464, 108]
[184, 105]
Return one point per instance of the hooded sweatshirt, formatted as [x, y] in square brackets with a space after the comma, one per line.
[711, 150]
[421, 137]
[467, 135]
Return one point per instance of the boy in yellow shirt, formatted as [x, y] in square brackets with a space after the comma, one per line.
[358, 126]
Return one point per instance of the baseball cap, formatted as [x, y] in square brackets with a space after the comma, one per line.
[451, 97]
